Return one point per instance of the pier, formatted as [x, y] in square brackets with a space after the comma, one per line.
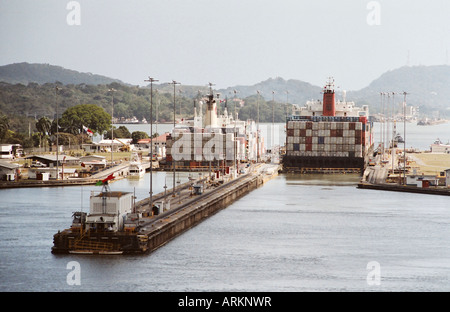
[119, 171]
[404, 188]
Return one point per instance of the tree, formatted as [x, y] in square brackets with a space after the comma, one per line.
[121, 132]
[138, 135]
[88, 115]
[4, 126]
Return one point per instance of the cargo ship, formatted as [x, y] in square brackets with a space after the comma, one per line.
[328, 135]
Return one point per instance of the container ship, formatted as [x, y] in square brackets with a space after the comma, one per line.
[328, 135]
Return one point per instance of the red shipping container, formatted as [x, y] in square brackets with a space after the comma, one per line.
[309, 140]
[333, 133]
[302, 132]
[308, 147]
[352, 126]
[309, 125]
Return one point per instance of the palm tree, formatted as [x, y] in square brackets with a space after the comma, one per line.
[43, 126]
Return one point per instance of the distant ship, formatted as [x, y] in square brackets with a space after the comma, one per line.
[430, 122]
[328, 135]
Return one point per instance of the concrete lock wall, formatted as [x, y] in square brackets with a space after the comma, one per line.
[193, 217]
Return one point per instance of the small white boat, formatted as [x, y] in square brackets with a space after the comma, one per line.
[136, 169]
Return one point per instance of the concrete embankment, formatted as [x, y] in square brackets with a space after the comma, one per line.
[120, 171]
[405, 188]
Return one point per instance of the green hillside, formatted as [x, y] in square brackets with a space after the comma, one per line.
[25, 73]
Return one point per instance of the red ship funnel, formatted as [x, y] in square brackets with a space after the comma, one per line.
[329, 107]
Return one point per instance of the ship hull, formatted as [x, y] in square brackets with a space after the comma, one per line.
[323, 164]
[68, 242]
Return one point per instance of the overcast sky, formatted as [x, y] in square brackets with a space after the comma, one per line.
[227, 42]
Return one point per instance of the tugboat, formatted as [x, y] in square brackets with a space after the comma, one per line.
[109, 228]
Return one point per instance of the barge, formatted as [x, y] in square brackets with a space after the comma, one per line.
[328, 136]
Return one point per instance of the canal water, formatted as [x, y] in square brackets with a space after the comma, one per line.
[295, 233]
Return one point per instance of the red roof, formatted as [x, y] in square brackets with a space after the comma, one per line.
[161, 139]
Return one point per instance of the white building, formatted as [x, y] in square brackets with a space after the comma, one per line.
[438, 147]
[49, 173]
[8, 171]
[108, 211]
[422, 180]
[10, 151]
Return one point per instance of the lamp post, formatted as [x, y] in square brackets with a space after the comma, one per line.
[173, 131]
[404, 138]
[273, 125]
[235, 137]
[257, 126]
[287, 101]
[210, 101]
[112, 90]
[57, 134]
[151, 80]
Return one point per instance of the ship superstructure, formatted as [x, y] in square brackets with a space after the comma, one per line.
[328, 134]
[222, 140]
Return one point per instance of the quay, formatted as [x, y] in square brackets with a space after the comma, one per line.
[383, 178]
[404, 188]
[153, 231]
[119, 171]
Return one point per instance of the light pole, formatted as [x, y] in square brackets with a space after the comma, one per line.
[404, 138]
[257, 126]
[112, 90]
[381, 123]
[210, 103]
[173, 132]
[57, 135]
[151, 80]
[287, 101]
[235, 136]
[273, 125]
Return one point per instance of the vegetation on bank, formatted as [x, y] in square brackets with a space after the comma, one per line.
[28, 114]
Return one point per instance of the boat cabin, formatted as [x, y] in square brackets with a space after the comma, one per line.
[108, 211]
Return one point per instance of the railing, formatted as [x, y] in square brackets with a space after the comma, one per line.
[84, 243]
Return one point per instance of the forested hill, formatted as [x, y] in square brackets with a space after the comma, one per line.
[427, 87]
[25, 73]
[28, 90]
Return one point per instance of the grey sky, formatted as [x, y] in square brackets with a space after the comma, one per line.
[232, 42]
